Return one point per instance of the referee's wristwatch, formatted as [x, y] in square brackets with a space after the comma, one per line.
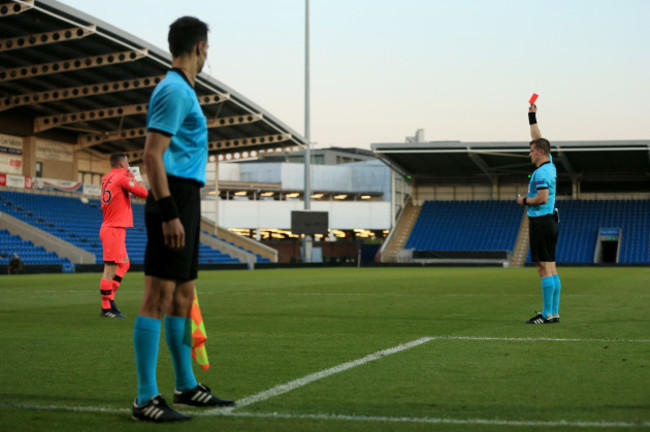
[524, 200]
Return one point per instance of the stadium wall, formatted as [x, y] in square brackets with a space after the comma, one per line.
[465, 192]
[345, 215]
[368, 176]
[505, 191]
[19, 156]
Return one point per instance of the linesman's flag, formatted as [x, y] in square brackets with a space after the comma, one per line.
[199, 354]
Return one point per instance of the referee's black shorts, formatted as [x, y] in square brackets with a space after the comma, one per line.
[159, 260]
[542, 232]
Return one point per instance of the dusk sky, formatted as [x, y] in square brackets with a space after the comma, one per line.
[461, 70]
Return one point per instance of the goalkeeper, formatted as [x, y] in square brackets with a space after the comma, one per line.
[116, 206]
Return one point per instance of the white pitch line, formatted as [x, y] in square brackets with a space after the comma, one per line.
[537, 339]
[353, 294]
[300, 382]
[438, 420]
[31, 407]
[355, 418]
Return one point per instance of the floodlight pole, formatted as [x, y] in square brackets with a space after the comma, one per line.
[307, 239]
[216, 195]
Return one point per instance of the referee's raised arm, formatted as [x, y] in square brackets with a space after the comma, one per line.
[535, 133]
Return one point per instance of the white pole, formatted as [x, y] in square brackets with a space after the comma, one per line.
[307, 240]
[216, 195]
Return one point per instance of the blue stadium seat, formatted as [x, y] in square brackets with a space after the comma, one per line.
[28, 253]
[78, 223]
[466, 225]
[581, 221]
[493, 225]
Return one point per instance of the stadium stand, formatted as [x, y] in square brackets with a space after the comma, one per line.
[78, 223]
[493, 225]
[67, 218]
[465, 226]
[580, 221]
[28, 253]
[260, 258]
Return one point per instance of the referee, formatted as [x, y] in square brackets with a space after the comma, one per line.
[175, 155]
[542, 221]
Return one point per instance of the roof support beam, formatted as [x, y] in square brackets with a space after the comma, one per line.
[239, 145]
[565, 161]
[234, 120]
[567, 165]
[240, 153]
[14, 8]
[37, 39]
[478, 160]
[77, 92]
[49, 122]
[70, 65]
[90, 140]
[222, 146]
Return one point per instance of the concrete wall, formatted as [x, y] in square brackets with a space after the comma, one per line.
[456, 192]
[374, 215]
[57, 159]
[367, 176]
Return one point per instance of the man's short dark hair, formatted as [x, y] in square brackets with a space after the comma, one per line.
[116, 158]
[185, 33]
[542, 144]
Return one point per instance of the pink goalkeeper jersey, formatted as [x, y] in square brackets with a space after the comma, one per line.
[116, 205]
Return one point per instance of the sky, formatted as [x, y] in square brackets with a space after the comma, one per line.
[462, 70]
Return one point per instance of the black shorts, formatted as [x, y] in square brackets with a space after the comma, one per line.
[159, 260]
[542, 232]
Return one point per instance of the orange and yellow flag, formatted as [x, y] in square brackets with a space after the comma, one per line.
[199, 354]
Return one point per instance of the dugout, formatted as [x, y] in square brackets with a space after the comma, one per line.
[600, 173]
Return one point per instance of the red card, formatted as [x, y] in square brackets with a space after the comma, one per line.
[533, 98]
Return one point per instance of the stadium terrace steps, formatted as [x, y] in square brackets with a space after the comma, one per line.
[264, 253]
[522, 244]
[405, 224]
[243, 255]
[78, 223]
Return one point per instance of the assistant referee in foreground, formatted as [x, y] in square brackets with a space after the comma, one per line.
[175, 155]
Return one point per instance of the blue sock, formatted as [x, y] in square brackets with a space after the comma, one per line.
[146, 339]
[556, 294]
[175, 334]
[548, 285]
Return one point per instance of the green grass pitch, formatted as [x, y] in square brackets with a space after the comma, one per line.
[64, 368]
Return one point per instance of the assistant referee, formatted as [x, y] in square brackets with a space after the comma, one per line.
[543, 221]
[175, 155]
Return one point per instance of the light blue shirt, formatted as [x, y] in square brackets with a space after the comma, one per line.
[544, 177]
[174, 109]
